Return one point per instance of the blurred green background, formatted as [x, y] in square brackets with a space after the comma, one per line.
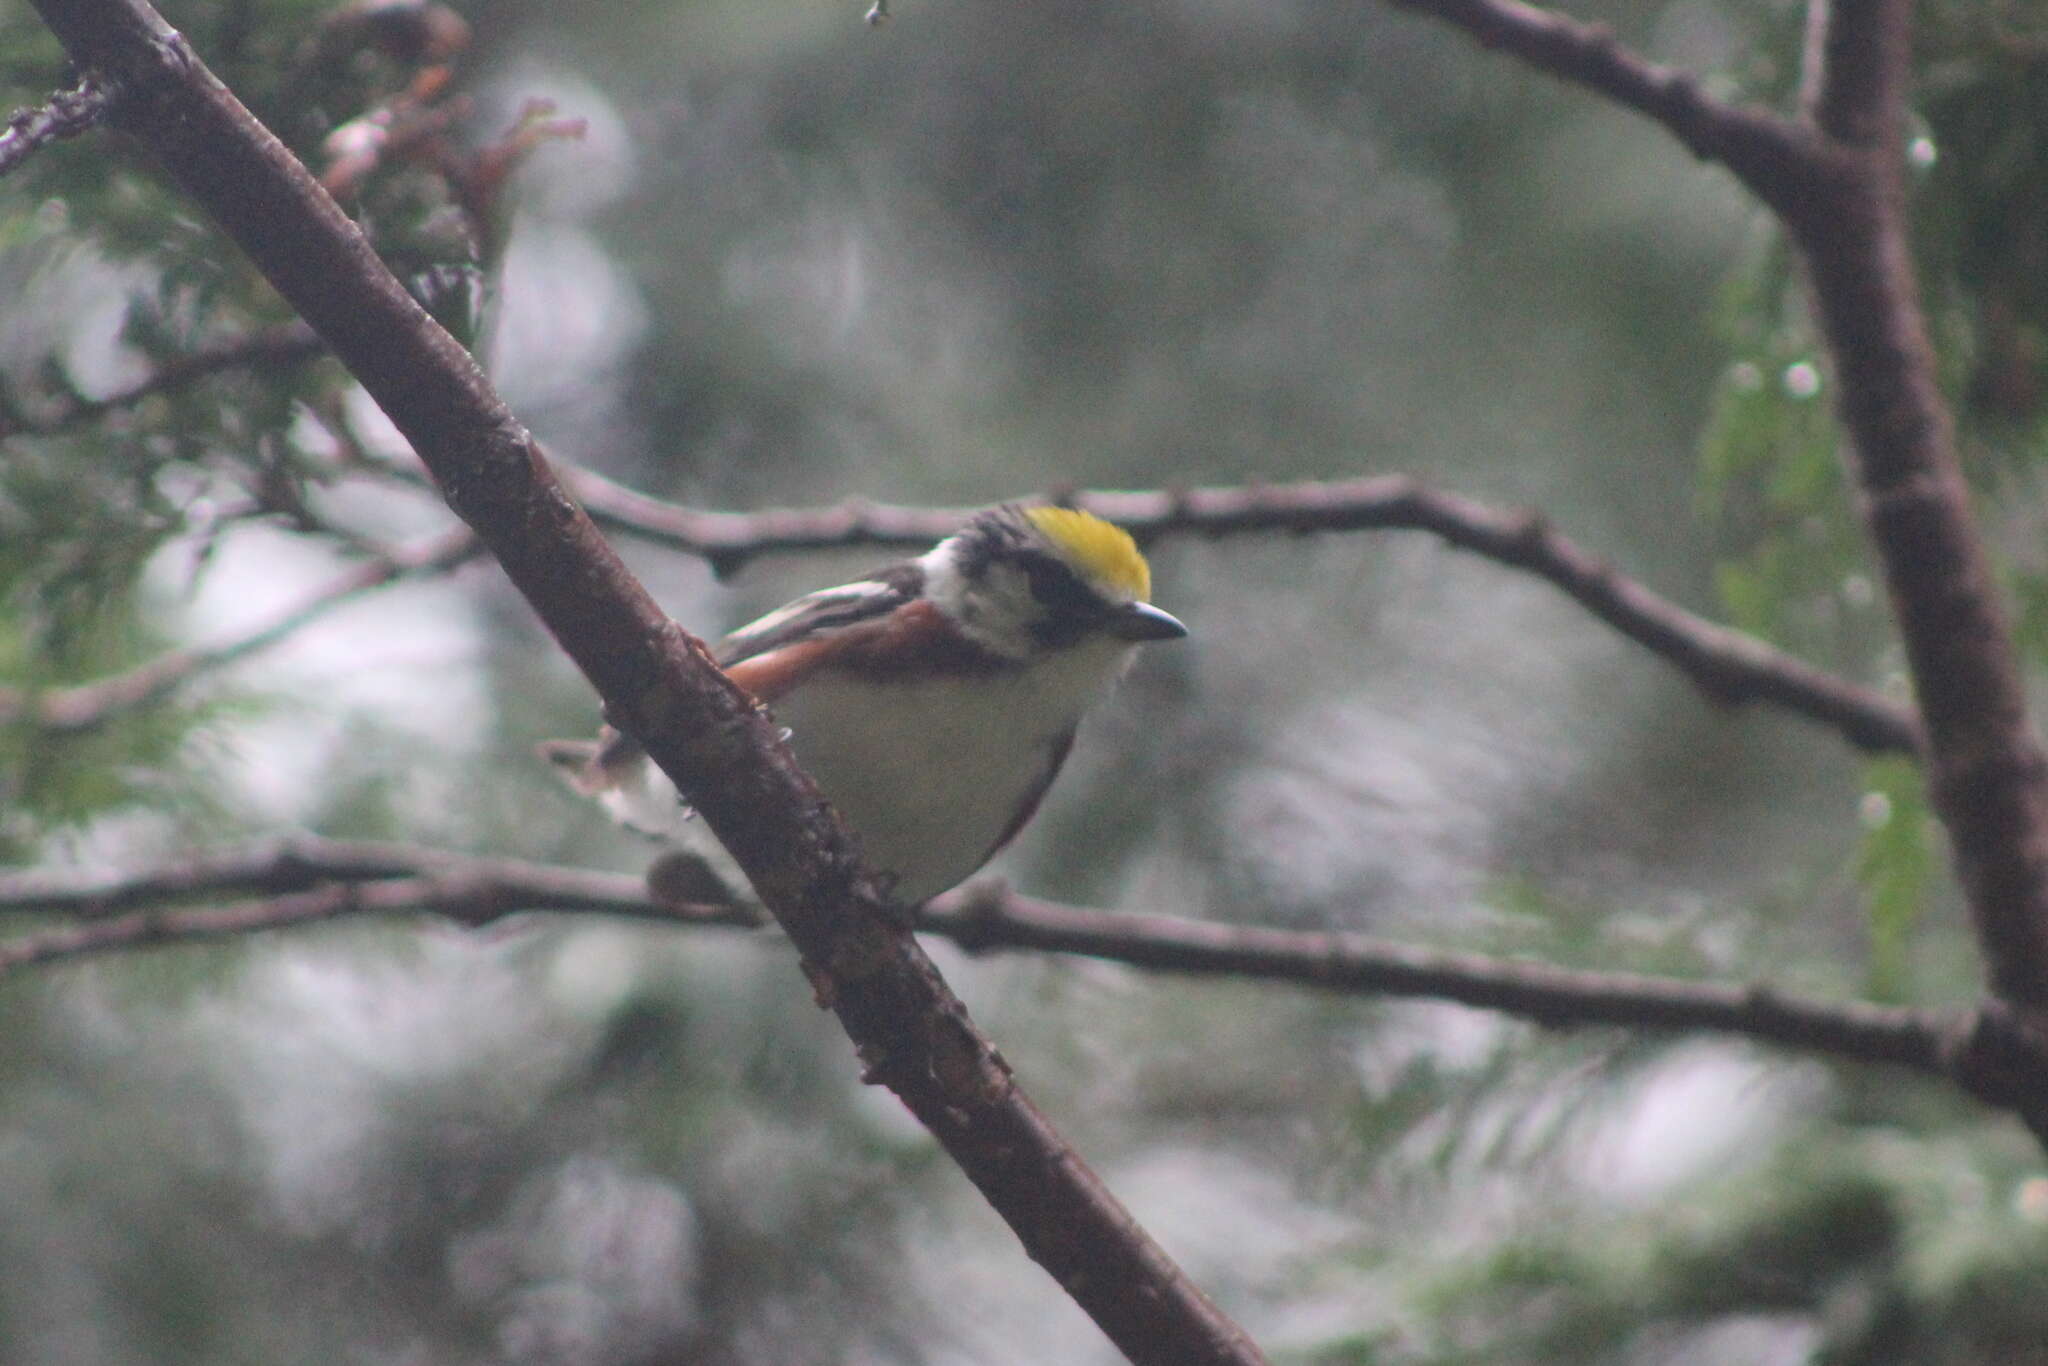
[982, 252]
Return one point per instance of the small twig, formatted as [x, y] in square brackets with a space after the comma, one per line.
[140, 928]
[285, 345]
[84, 706]
[293, 863]
[69, 113]
[473, 899]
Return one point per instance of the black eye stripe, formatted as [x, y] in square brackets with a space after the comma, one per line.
[1056, 586]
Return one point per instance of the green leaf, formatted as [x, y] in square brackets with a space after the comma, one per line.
[1894, 866]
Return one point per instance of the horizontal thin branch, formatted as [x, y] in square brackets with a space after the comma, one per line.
[459, 893]
[297, 863]
[139, 929]
[1987, 1050]
[140, 908]
[1728, 666]
[84, 706]
[989, 916]
[306, 879]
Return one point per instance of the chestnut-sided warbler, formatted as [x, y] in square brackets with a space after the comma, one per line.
[934, 700]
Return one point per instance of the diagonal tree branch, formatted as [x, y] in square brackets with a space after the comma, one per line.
[307, 879]
[1988, 769]
[658, 684]
[84, 706]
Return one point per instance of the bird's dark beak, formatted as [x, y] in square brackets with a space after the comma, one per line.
[1143, 621]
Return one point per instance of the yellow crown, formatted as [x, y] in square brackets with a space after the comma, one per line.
[1099, 551]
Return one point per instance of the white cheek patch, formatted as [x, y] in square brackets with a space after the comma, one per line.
[943, 581]
[996, 610]
[1002, 611]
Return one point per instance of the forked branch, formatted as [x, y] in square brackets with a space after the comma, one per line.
[1835, 175]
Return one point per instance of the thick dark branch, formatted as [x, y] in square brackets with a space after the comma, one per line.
[1987, 766]
[84, 706]
[1857, 72]
[69, 113]
[658, 685]
[273, 348]
[1774, 156]
[1728, 666]
[304, 879]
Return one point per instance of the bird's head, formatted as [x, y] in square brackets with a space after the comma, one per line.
[1026, 580]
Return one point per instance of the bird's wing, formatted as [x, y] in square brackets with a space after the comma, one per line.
[765, 657]
[823, 612]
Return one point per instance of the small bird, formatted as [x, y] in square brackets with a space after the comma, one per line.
[935, 700]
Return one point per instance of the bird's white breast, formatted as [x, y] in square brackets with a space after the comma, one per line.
[932, 774]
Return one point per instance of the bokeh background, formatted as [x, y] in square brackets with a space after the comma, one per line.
[988, 251]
